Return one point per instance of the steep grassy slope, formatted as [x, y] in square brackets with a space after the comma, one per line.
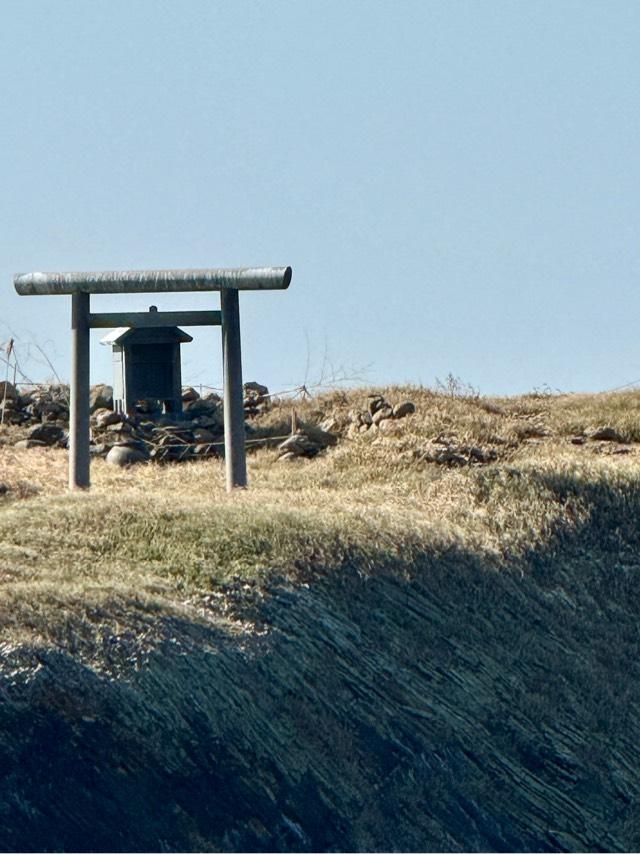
[363, 651]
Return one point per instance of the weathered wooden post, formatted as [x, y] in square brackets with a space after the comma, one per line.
[234, 450]
[79, 435]
[227, 281]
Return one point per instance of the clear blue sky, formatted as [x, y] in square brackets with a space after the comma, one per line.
[456, 184]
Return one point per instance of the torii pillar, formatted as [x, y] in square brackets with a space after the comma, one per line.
[81, 285]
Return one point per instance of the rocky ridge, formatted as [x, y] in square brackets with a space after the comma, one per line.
[42, 415]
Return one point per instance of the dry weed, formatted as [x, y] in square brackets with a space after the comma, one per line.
[153, 535]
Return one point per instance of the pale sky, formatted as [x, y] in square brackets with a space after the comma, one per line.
[455, 184]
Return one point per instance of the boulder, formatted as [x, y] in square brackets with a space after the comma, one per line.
[8, 391]
[189, 394]
[257, 388]
[107, 417]
[453, 454]
[200, 406]
[402, 409]
[532, 430]
[306, 443]
[376, 402]
[123, 456]
[136, 444]
[214, 421]
[11, 415]
[606, 434]
[380, 414]
[389, 426]
[25, 444]
[100, 397]
[118, 427]
[54, 411]
[48, 434]
[25, 399]
[330, 425]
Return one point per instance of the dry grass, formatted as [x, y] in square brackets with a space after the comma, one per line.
[147, 539]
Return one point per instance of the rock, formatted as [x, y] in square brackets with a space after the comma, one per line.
[496, 439]
[11, 415]
[606, 434]
[107, 418]
[304, 445]
[53, 411]
[25, 399]
[47, 433]
[200, 406]
[479, 455]
[136, 444]
[578, 440]
[257, 388]
[376, 402]
[100, 397]
[330, 425]
[389, 426]
[319, 437]
[190, 394]
[256, 400]
[25, 444]
[402, 409]
[297, 444]
[214, 422]
[119, 427]
[123, 455]
[454, 455]
[532, 431]
[8, 391]
[381, 414]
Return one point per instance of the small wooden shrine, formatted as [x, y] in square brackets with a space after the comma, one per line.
[146, 366]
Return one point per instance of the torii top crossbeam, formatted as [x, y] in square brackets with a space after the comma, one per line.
[153, 281]
[81, 285]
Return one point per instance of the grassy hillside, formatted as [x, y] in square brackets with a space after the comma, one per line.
[368, 649]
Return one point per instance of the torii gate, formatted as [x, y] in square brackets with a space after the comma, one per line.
[81, 285]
